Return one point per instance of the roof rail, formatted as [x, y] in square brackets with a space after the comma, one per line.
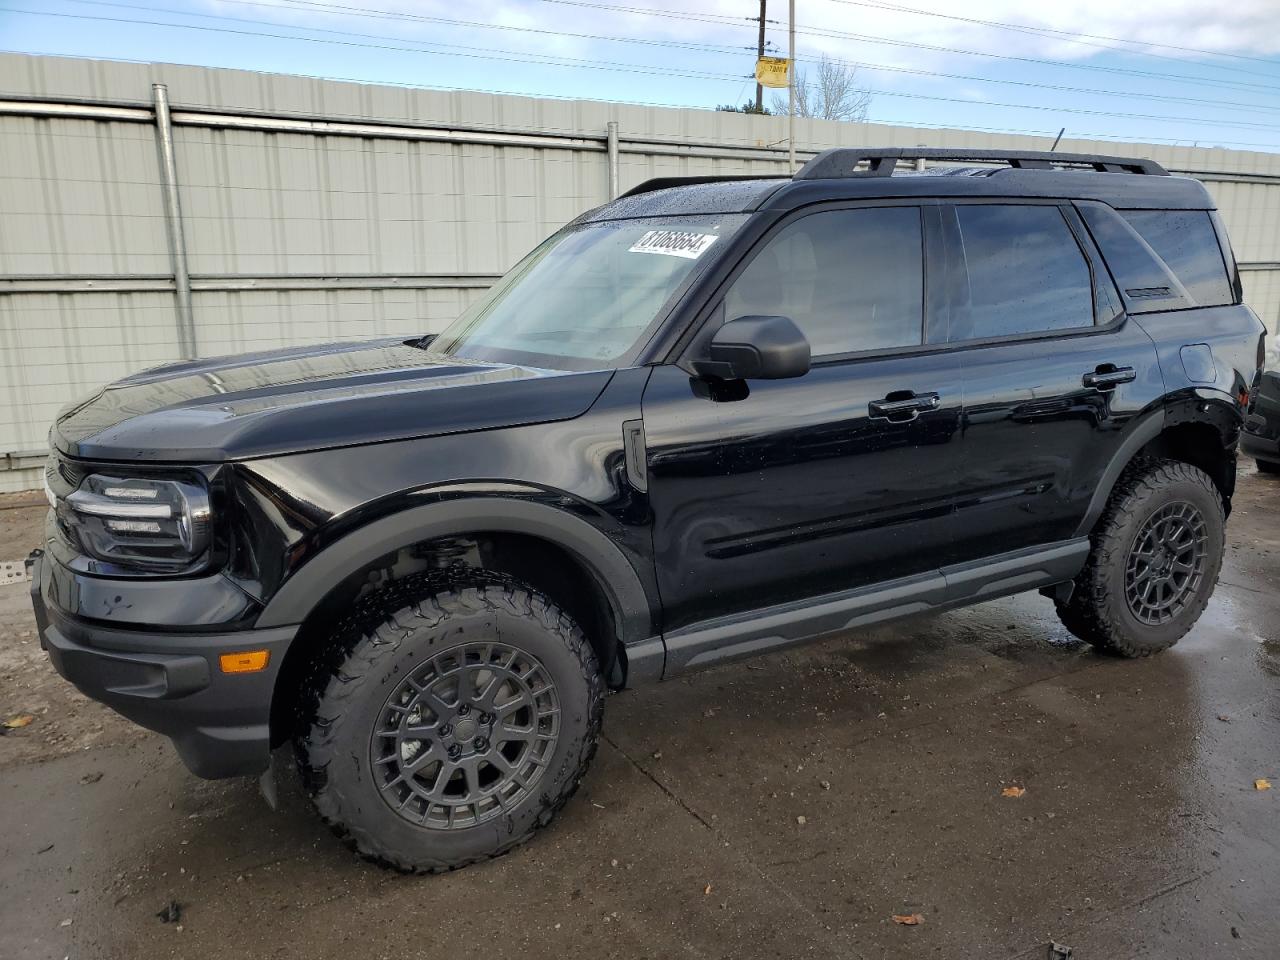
[842, 162]
[662, 183]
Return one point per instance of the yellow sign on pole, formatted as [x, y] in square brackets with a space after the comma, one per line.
[772, 71]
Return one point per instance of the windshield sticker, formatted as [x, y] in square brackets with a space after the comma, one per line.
[673, 243]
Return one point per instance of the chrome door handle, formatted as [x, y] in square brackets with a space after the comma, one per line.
[895, 408]
[1108, 377]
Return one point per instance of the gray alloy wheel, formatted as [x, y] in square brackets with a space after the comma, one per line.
[1166, 563]
[466, 736]
[1155, 557]
[455, 720]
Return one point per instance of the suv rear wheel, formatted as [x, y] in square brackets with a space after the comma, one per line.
[454, 726]
[1157, 551]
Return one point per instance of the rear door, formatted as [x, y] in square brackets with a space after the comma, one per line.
[1052, 368]
[770, 492]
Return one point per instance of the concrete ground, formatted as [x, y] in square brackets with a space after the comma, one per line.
[784, 807]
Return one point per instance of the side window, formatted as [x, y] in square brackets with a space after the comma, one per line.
[1025, 272]
[1185, 241]
[850, 279]
[1146, 282]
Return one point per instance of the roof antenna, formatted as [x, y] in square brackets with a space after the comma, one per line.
[1057, 140]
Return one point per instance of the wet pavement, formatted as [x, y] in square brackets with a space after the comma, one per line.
[788, 806]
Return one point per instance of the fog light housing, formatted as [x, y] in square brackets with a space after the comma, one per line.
[149, 524]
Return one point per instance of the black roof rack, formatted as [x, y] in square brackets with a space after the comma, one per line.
[662, 183]
[842, 162]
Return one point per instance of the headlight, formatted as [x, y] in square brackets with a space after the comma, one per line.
[160, 525]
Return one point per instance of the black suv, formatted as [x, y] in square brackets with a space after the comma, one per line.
[709, 419]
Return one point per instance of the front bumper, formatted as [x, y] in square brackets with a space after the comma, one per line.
[170, 682]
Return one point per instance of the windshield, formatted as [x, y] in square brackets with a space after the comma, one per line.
[590, 296]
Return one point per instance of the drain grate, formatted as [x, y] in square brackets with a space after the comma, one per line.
[13, 571]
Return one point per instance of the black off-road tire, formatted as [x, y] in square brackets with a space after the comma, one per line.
[388, 638]
[1098, 611]
[1268, 466]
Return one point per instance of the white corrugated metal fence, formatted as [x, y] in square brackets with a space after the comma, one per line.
[314, 210]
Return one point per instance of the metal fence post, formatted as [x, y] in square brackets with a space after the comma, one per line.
[173, 218]
[613, 158]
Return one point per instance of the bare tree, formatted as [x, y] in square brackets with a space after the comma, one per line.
[834, 95]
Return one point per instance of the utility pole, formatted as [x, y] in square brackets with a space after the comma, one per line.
[759, 54]
[791, 87]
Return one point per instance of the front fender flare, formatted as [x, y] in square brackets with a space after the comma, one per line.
[304, 589]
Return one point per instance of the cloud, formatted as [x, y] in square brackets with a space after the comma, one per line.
[1242, 27]
[1250, 27]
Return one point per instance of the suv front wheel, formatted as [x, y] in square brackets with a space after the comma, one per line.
[1156, 554]
[454, 726]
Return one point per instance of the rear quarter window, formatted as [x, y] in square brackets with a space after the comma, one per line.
[1161, 259]
[1185, 240]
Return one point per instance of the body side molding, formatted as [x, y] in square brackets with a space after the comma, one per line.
[730, 638]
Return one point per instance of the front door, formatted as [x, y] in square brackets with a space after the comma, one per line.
[779, 491]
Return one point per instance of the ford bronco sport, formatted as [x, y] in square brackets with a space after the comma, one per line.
[711, 418]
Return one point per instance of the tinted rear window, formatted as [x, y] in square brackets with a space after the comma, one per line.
[1186, 242]
[1026, 272]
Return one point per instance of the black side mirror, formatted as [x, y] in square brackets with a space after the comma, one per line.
[756, 348]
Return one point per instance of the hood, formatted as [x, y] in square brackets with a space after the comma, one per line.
[307, 398]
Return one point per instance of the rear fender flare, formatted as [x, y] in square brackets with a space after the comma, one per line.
[1140, 434]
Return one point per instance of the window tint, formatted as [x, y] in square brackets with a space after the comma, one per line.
[1026, 272]
[1145, 281]
[587, 297]
[1185, 241]
[850, 279]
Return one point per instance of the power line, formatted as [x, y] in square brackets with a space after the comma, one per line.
[339, 9]
[700, 16]
[371, 13]
[413, 85]
[667, 13]
[1070, 35]
[509, 56]
[1081, 135]
[1076, 110]
[735, 51]
[405, 84]
[1120, 71]
[487, 53]
[518, 57]
[1222, 104]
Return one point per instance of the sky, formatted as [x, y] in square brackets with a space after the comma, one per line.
[1189, 72]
